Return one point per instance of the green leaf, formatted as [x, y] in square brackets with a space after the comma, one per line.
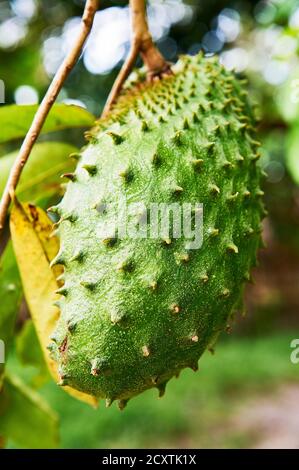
[42, 173]
[30, 354]
[292, 154]
[25, 417]
[10, 295]
[15, 120]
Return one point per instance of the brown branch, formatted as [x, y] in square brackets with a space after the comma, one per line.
[64, 70]
[142, 43]
[121, 78]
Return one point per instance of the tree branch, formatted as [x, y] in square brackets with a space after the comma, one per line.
[64, 70]
[142, 43]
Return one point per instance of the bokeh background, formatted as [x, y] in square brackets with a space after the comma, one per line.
[246, 394]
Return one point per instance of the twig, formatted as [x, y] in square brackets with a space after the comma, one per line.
[142, 43]
[64, 70]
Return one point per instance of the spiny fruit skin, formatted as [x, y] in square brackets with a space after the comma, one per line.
[134, 312]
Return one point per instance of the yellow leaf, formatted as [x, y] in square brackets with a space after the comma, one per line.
[43, 228]
[30, 231]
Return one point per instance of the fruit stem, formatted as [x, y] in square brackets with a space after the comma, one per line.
[142, 43]
[64, 70]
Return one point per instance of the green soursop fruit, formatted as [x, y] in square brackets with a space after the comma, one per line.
[135, 311]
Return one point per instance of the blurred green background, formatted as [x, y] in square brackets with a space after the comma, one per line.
[245, 394]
